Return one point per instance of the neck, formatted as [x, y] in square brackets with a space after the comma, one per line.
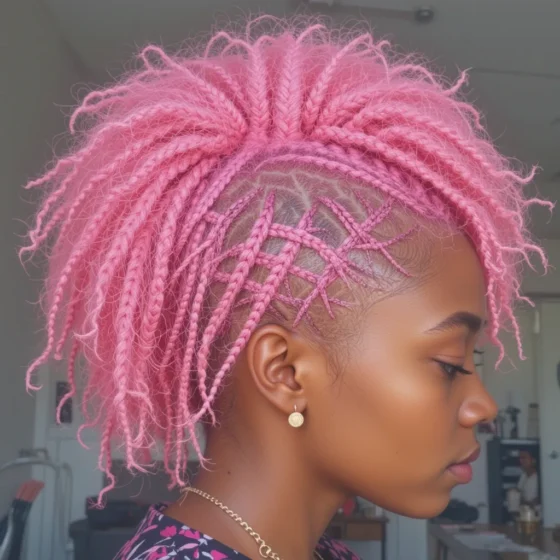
[270, 490]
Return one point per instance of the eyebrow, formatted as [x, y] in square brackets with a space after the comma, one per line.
[459, 319]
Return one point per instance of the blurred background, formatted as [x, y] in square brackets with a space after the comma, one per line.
[52, 52]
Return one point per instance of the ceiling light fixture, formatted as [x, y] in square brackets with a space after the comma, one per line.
[424, 14]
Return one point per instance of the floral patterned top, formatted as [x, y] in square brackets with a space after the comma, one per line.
[160, 537]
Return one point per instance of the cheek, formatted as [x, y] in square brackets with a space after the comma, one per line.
[389, 426]
[402, 410]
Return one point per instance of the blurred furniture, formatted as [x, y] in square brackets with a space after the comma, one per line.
[98, 544]
[448, 546]
[6, 535]
[11, 536]
[104, 532]
[504, 472]
[359, 528]
[12, 526]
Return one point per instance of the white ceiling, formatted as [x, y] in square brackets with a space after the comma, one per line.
[512, 46]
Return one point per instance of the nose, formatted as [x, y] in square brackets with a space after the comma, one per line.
[478, 405]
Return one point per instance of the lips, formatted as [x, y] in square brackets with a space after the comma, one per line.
[462, 470]
[472, 457]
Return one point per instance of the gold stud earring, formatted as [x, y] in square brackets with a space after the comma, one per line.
[296, 418]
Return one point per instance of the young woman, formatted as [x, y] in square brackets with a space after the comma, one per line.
[295, 239]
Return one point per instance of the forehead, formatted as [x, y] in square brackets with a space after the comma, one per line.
[456, 277]
[452, 281]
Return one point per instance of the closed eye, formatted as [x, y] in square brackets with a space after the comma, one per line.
[451, 370]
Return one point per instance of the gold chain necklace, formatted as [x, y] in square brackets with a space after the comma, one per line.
[264, 550]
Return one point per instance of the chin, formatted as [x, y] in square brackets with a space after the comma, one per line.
[422, 507]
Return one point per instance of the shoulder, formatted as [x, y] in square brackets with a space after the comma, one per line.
[331, 549]
[160, 536]
[533, 480]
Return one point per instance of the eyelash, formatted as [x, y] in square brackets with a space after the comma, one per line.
[451, 370]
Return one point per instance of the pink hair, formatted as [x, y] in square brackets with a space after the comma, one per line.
[139, 215]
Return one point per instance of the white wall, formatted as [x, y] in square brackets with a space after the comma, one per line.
[514, 381]
[549, 284]
[37, 72]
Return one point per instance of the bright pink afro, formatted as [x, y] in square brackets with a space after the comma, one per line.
[145, 273]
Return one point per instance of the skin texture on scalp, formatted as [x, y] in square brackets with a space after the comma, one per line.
[288, 177]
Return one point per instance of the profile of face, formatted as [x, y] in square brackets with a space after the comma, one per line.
[526, 461]
[407, 408]
[405, 405]
[396, 423]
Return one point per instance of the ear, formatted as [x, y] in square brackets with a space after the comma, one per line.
[281, 365]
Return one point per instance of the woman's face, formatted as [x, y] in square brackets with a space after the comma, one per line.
[402, 414]
[526, 461]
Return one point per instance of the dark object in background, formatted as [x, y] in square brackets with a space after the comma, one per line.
[116, 513]
[104, 532]
[486, 428]
[12, 526]
[504, 472]
[556, 534]
[513, 413]
[129, 500]
[425, 14]
[62, 389]
[458, 511]
[90, 544]
[499, 422]
[146, 488]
